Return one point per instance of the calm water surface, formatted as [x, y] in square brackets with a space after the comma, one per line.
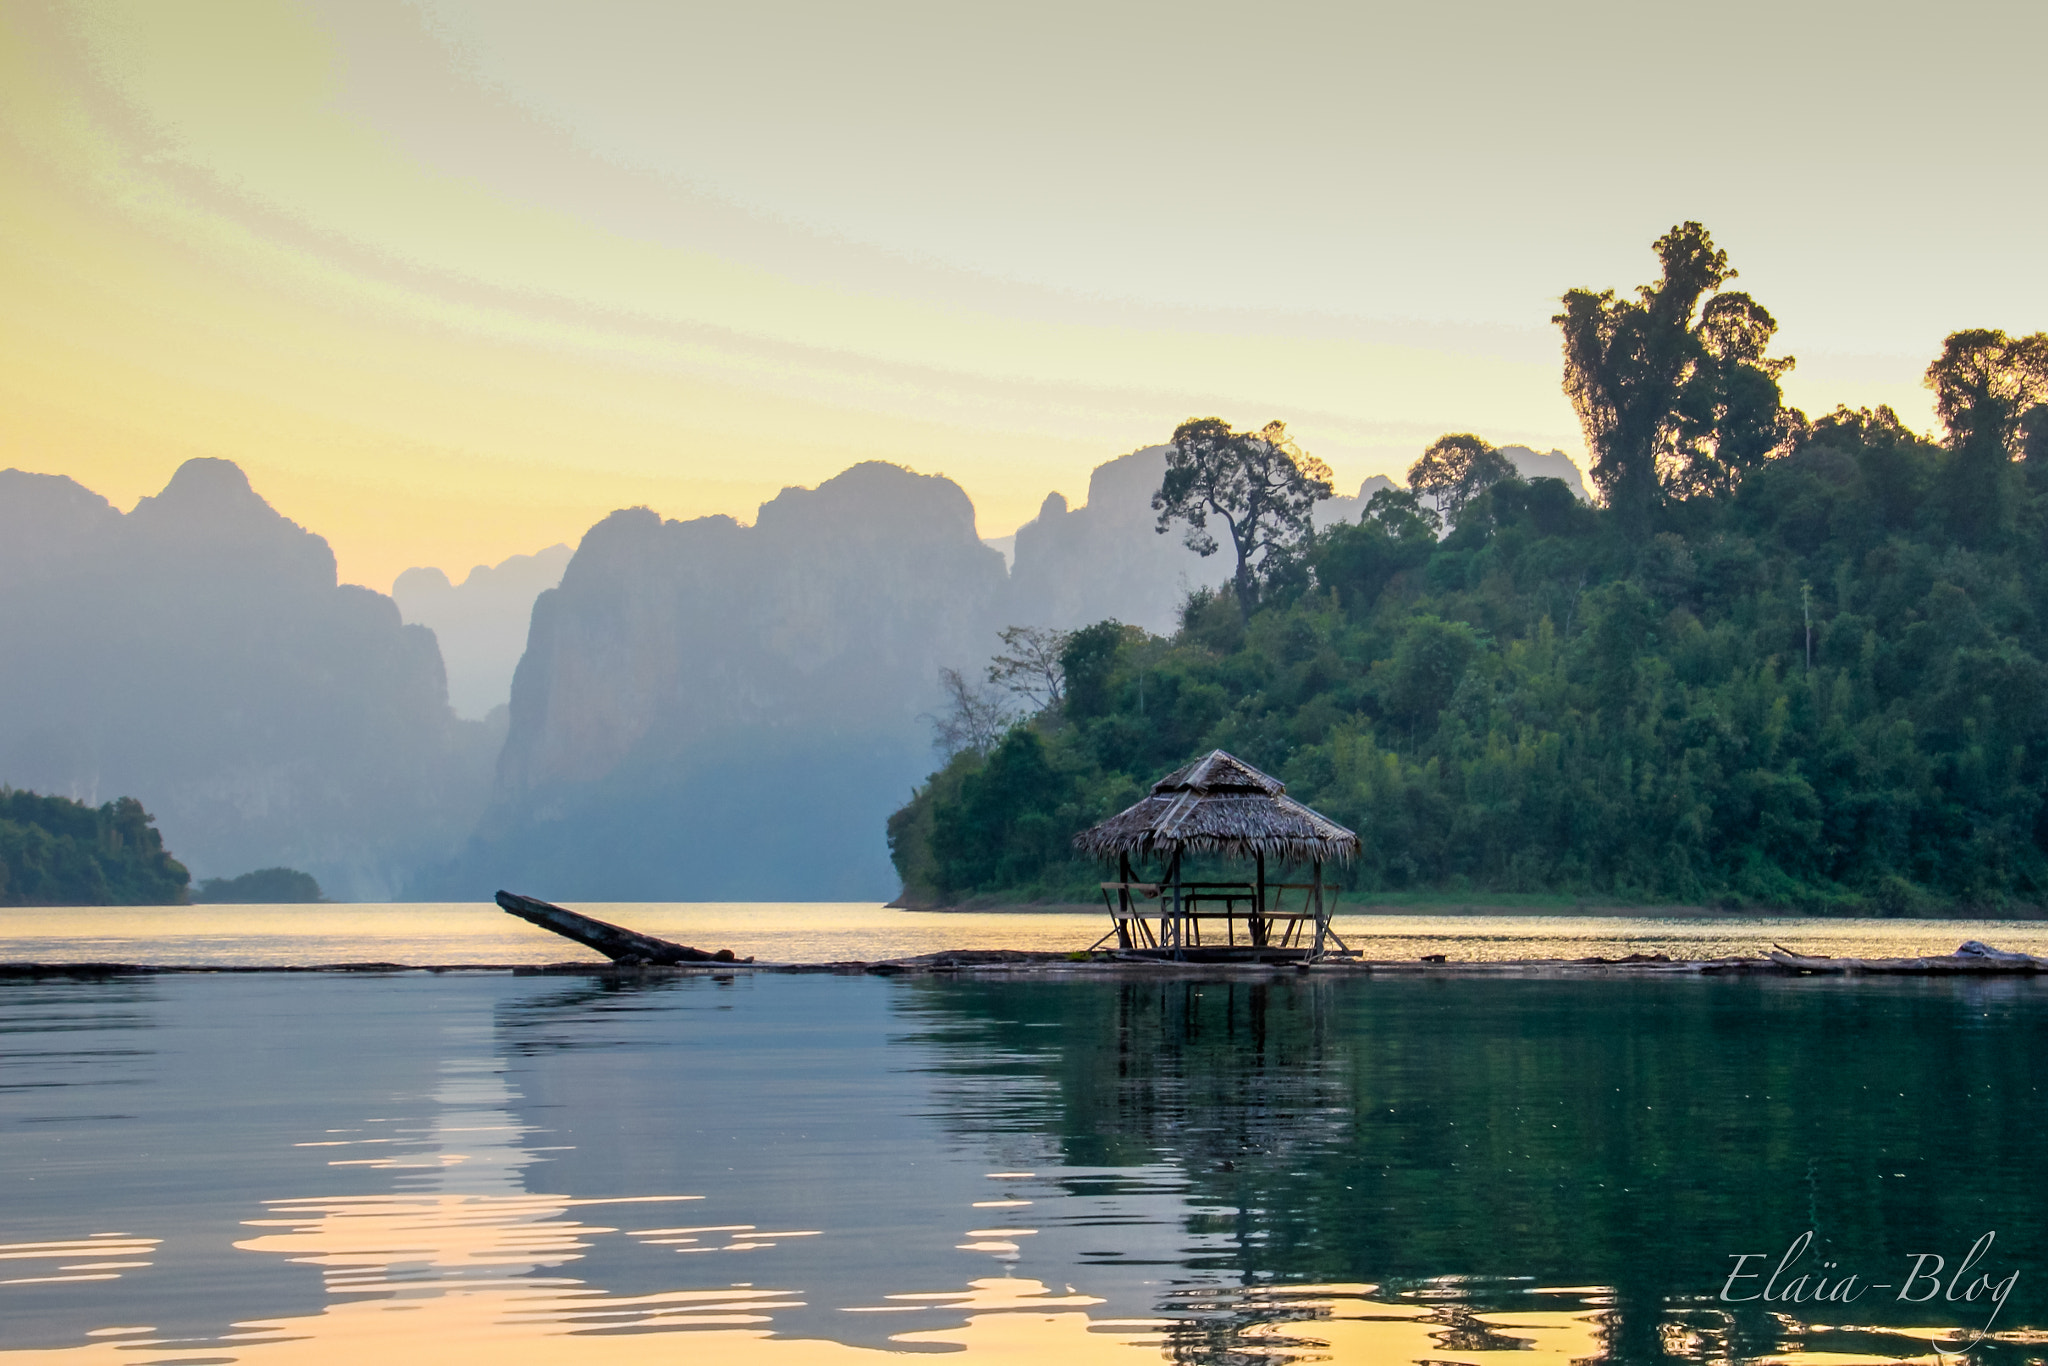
[425, 933]
[757, 1169]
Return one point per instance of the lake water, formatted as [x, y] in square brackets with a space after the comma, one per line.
[428, 933]
[762, 1169]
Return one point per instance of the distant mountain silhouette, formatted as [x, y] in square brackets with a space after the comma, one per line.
[711, 711]
[1528, 463]
[1331, 511]
[699, 710]
[1532, 464]
[707, 710]
[199, 655]
[481, 622]
[1107, 558]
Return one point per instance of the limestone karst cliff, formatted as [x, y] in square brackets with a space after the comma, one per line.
[198, 654]
[1107, 558]
[481, 622]
[701, 709]
[707, 710]
[1075, 565]
[710, 710]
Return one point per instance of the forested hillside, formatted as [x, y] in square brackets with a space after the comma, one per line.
[1784, 663]
[57, 852]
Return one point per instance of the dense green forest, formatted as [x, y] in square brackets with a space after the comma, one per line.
[58, 852]
[1780, 663]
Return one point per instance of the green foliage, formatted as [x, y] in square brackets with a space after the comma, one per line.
[1456, 467]
[1259, 485]
[264, 887]
[1987, 385]
[1087, 660]
[58, 852]
[1672, 388]
[1553, 700]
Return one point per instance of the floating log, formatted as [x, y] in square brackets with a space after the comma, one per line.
[615, 942]
[1972, 957]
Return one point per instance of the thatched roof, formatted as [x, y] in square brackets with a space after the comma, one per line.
[1220, 804]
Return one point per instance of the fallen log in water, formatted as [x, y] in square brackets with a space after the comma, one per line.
[615, 942]
[1972, 957]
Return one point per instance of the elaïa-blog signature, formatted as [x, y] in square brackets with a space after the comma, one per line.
[1927, 1279]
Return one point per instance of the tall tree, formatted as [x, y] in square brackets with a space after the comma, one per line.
[1991, 392]
[1260, 485]
[1030, 664]
[1676, 397]
[972, 718]
[1455, 469]
[1990, 389]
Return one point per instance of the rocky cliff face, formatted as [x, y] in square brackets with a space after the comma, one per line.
[1331, 511]
[199, 654]
[481, 622]
[703, 710]
[1532, 464]
[707, 710]
[1107, 559]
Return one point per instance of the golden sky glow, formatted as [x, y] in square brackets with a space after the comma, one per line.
[452, 281]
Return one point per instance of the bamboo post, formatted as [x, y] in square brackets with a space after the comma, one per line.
[1322, 916]
[1176, 905]
[1123, 901]
[1258, 925]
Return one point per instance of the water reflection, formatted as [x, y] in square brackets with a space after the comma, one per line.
[1630, 1135]
[319, 1170]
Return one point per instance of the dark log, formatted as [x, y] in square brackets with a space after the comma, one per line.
[615, 942]
[1972, 957]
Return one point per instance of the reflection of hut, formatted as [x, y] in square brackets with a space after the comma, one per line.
[1219, 805]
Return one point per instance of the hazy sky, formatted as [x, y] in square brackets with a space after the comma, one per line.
[451, 280]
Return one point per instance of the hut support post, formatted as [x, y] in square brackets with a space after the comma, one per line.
[1322, 916]
[1123, 901]
[1258, 925]
[1176, 906]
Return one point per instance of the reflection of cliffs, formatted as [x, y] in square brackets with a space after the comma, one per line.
[480, 622]
[199, 655]
[708, 710]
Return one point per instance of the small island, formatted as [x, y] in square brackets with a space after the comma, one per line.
[263, 887]
[58, 852]
[1785, 663]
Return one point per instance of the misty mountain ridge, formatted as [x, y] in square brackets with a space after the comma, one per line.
[481, 622]
[1528, 463]
[199, 654]
[692, 709]
[712, 710]
[709, 709]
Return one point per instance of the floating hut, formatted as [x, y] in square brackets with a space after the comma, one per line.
[1219, 805]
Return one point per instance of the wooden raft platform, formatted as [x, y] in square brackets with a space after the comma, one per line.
[1983, 962]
